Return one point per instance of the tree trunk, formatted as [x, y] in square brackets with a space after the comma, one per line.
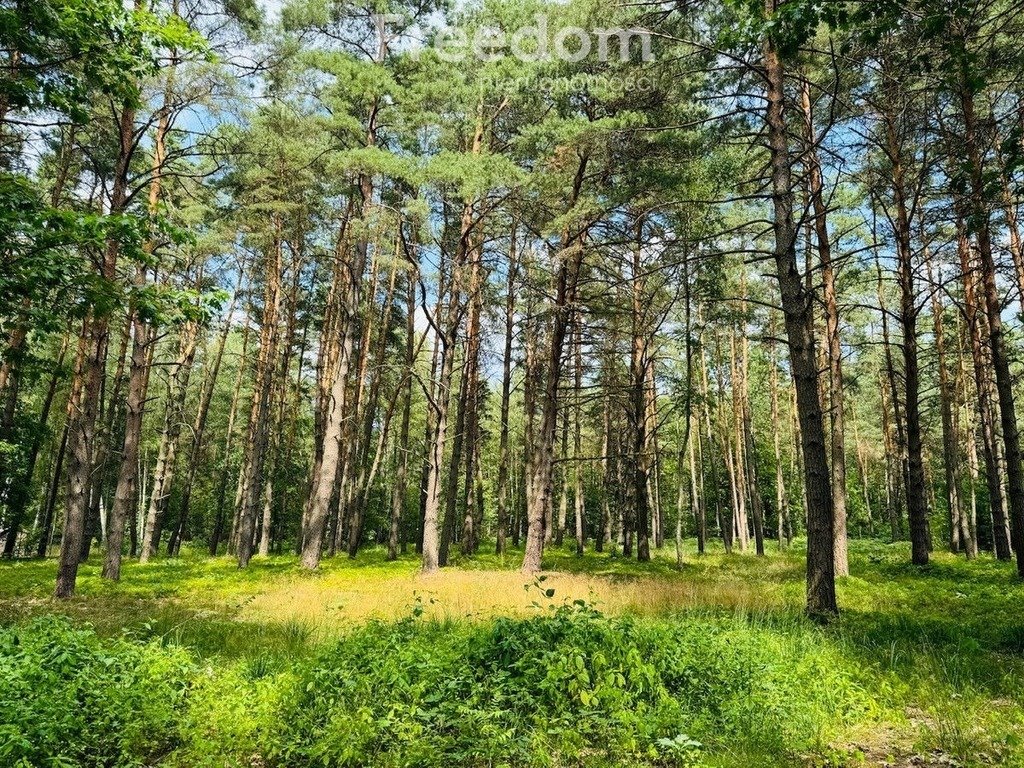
[434, 551]
[781, 500]
[577, 443]
[832, 340]
[259, 410]
[639, 364]
[796, 305]
[325, 472]
[986, 417]
[126, 492]
[899, 453]
[83, 403]
[50, 507]
[163, 473]
[404, 449]
[218, 526]
[365, 478]
[541, 463]
[996, 337]
[199, 427]
[917, 508]
[512, 269]
[960, 537]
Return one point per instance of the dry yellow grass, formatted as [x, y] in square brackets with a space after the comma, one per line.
[342, 597]
[275, 591]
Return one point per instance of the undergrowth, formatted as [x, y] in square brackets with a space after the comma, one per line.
[923, 668]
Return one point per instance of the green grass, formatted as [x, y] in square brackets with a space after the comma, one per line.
[365, 663]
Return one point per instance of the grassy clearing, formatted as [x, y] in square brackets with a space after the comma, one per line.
[367, 663]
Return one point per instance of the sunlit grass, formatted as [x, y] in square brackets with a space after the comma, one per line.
[941, 646]
[947, 601]
[343, 591]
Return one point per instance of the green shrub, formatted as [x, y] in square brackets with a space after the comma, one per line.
[68, 698]
[230, 715]
[573, 687]
[569, 687]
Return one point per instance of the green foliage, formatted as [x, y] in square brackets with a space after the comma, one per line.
[46, 253]
[66, 47]
[69, 699]
[921, 661]
[570, 687]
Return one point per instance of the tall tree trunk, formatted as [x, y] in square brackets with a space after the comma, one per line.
[541, 463]
[731, 528]
[439, 403]
[605, 532]
[738, 446]
[577, 444]
[960, 537]
[430, 429]
[434, 544]
[163, 473]
[364, 480]
[862, 468]
[970, 435]
[781, 500]
[750, 464]
[404, 449]
[684, 443]
[477, 278]
[639, 362]
[705, 398]
[512, 269]
[917, 508]
[259, 410]
[900, 450]
[357, 432]
[464, 257]
[83, 404]
[797, 309]
[325, 472]
[50, 507]
[218, 525]
[126, 491]
[996, 334]
[832, 340]
[986, 416]
[563, 476]
[199, 426]
[1012, 226]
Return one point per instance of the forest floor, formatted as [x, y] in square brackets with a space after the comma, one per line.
[928, 663]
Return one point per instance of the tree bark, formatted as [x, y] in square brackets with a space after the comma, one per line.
[833, 342]
[259, 410]
[83, 404]
[541, 463]
[996, 334]
[163, 473]
[960, 536]
[325, 472]
[796, 305]
[199, 428]
[986, 416]
[126, 491]
[504, 460]
[917, 508]
[404, 449]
